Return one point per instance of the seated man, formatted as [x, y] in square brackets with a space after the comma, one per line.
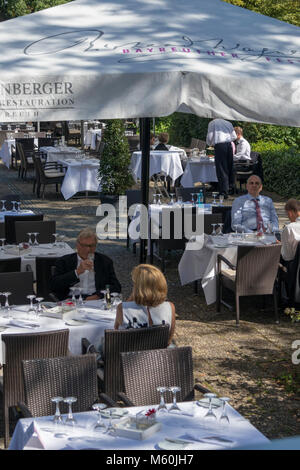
[163, 140]
[253, 212]
[86, 269]
[243, 149]
[291, 233]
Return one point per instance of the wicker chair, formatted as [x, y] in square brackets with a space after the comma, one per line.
[10, 265]
[45, 230]
[242, 171]
[20, 284]
[26, 346]
[117, 341]
[45, 174]
[144, 371]
[74, 376]
[10, 228]
[25, 157]
[2, 230]
[254, 274]
[43, 276]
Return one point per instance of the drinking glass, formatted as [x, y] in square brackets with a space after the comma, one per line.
[154, 199]
[221, 234]
[3, 205]
[99, 407]
[193, 200]
[70, 420]
[179, 200]
[159, 199]
[57, 418]
[14, 206]
[174, 405]
[224, 419]
[29, 238]
[110, 427]
[270, 227]
[235, 227]
[55, 235]
[61, 241]
[80, 299]
[35, 242]
[7, 308]
[2, 243]
[210, 416]
[18, 206]
[172, 199]
[214, 195]
[39, 307]
[31, 309]
[73, 290]
[221, 199]
[116, 299]
[162, 407]
[213, 233]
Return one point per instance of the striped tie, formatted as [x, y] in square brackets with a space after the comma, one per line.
[259, 219]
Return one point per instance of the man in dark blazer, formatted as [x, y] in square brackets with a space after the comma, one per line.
[86, 269]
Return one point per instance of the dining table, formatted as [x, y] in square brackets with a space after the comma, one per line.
[182, 430]
[16, 212]
[6, 150]
[81, 175]
[54, 154]
[199, 169]
[166, 162]
[91, 137]
[199, 260]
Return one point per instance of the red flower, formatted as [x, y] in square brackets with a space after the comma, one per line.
[150, 412]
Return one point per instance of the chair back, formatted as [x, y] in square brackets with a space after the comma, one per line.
[144, 371]
[257, 164]
[201, 144]
[117, 341]
[185, 193]
[133, 141]
[43, 275]
[225, 211]
[194, 143]
[10, 220]
[27, 143]
[210, 219]
[134, 196]
[45, 230]
[45, 142]
[69, 376]
[2, 230]
[10, 265]
[256, 269]
[20, 284]
[23, 346]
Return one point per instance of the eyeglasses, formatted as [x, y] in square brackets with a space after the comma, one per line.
[254, 182]
[87, 246]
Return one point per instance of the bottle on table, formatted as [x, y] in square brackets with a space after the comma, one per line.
[200, 197]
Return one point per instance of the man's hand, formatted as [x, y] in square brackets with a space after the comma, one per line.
[85, 265]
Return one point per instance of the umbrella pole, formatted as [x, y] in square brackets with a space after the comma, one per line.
[82, 134]
[145, 148]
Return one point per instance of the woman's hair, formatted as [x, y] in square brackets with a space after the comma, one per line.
[163, 137]
[292, 205]
[149, 285]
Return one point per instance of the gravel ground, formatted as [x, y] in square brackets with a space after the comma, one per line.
[251, 364]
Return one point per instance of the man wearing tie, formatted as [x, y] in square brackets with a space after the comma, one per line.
[253, 212]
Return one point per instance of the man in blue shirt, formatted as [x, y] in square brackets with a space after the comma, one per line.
[253, 212]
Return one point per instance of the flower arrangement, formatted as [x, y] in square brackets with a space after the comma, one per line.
[293, 313]
[151, 412]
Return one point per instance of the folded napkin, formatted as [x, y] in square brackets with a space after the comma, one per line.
[23, 324]
[98, 318]
[211, 438]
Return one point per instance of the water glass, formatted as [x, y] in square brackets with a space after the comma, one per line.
[70, 420]
[39, 307]
[31, 310]
[7, 307]
[221, 234]
[55, 235]
[57, 418]
[210, 417]
[116, 299]
[18, 206]
[110, 427]
[214, 195]
[99, 407]
[35, 242]
[221, 199]
[172, 199]
[174, 405]
[155, 199]
[179, 201]
[29, 238]
[224, 419]
[14, 206]
[162, 407]
[3, 205]
[2, 243]
[159, 199]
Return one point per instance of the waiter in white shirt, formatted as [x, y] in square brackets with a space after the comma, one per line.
[220, 134]
[243, 149]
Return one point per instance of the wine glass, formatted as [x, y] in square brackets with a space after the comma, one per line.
[73, 290]
[39, 307]
[70, 420]
[110, 427]
[29, 238]
[7, 307]
[235, 228]
[35, 242]
[18, 206]
[221, 234]
[210, 416]
[159, 199]
[214, 233]
[80, 299]
[99, 407]
[3, 205]
[270, 227]
[55, 235]
[14, 206]
[162, 407]
[214, 195]
[61, 240]
[172, 199]
[154, 199]
[31, 309]
[224, 419]
[193, 200]
[57, 418]
[2, 243]
[174, 405]
[179, 200]
[116, 299]
[221, 199]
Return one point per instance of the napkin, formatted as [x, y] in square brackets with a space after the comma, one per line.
[23, 324]
[211, 438]
[97, 318]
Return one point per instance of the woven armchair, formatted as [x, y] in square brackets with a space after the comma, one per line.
[10, 228]
[144, 371]
[254, 274]
[26, 346]
[117, 341]
[44, 228]
[74, 376]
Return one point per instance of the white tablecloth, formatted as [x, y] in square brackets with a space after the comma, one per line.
[168, 163]
[200, 170]
[199, 261]
[5, 151]
[21, 212]
[81, 175]
[92, 330]
[60, 153]
[40, 433]
[91, 137]
[28, 256]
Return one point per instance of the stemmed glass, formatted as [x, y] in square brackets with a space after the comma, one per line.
[162, 407]
[18, 206]
[2, 243]
[235, 227]
[39, 307]
[214, 233]
[29, 239]
[70, 420]
[179, 200]
[55, 235]
[221, 234]
[14, 206]
[270, 227]
[110, 427]
[172, 199]
[159, 199]
[35, 242]
[61, 240]
[214, 195]
[224, 419]
[31, 309]
[57, 418]
[73, 290]
[221, 199]
[80, 300]
[116, 299]
[154, 199]
[3, 205]
[174, 405]
[193, 200]
[99, 407]
[210, 415]
[6, 306]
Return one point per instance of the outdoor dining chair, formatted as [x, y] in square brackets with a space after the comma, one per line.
[44, 265]
[68, 376]
[186, 193]
[23, 346]
[45, 230]
[145, 371]
[2, 230]
[25, 155]
[46, 174]
[20, 284]
[10, 221]
[254, 274]
[117, 341]
[10, 265]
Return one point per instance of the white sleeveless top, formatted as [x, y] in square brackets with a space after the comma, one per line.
[158, 314]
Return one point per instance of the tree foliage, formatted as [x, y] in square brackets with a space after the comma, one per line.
[283, 10]
[13, 8]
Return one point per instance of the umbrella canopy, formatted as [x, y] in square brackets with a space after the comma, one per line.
[145, 58]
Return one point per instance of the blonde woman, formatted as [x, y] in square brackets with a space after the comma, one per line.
[147, 304]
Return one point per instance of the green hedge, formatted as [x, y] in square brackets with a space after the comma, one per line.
[281, 165]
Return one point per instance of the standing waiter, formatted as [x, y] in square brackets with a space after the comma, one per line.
[220, 134]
